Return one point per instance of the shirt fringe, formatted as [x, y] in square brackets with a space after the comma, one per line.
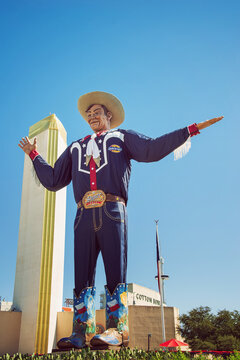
[182, 150]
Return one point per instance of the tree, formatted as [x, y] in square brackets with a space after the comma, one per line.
[197, 326]
[228, 342]
[206, 331]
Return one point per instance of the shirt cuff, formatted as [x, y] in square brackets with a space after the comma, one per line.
[193, 130]
[33, 154]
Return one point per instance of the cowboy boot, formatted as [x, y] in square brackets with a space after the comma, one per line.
[83, 320]
[116, 319]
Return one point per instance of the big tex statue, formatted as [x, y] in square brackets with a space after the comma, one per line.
[99, 167]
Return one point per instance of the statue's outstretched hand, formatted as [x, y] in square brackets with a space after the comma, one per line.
[26, 146]
[207, 123]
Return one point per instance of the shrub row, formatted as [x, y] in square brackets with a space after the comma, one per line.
[122, 354]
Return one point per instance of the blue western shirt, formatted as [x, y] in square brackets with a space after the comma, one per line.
[117, 148]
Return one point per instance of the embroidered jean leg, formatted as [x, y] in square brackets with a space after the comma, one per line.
[86, 251]
[113, 243]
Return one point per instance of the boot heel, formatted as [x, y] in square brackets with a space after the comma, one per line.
[125, 340]
[125, 343]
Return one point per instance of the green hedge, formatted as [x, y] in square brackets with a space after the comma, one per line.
[122, 354]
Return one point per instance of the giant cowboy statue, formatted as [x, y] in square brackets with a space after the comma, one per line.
[99, 167]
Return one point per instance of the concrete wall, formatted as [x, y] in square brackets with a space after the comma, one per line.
[10, 322]
[144, 320]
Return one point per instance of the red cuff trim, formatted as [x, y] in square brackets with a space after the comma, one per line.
[193, 130]
[33, 154]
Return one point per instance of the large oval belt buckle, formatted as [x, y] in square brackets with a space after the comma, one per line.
[93, 199]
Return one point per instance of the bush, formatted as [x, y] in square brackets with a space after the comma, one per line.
[123, 354]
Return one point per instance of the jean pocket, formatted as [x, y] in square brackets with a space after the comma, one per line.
[78, 219]
[114, 211]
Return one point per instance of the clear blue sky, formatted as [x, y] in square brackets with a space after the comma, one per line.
[171, 63]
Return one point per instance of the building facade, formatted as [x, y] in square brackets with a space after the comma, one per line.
[138, 296]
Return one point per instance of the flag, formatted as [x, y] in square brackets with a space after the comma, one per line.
[81, 308]
[113, 305]
[158, 263]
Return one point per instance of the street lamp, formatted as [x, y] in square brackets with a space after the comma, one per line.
[164, 277]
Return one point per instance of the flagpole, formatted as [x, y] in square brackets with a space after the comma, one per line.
[160, 281]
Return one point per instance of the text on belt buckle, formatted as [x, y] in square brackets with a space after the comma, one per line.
[93, 199]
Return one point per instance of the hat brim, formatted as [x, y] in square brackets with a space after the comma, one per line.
[102, 98]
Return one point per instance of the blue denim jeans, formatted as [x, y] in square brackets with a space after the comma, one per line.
[100, 229]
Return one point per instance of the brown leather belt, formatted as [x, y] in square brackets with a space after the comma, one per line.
[109, 197]
[114, 198]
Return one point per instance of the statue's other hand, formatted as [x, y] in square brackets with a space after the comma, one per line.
[207, 123]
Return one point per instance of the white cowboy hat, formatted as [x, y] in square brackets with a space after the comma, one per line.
[102, 98]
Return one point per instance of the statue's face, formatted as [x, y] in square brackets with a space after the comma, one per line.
[97, 119]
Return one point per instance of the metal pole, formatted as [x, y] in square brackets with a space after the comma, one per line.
[149, 339]
[160, 285]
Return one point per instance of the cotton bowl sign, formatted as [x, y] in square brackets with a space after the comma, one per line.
[140, 295]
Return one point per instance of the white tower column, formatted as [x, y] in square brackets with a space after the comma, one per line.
[38, 286]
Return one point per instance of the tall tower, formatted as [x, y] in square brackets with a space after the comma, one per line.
[38, 286]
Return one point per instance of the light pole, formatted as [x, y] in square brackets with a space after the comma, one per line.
[160, 278]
